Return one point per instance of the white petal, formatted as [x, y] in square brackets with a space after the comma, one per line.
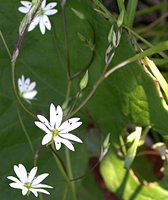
[24, 191]
[20, 85]
[22, 78]
[42, 127]
[34, 192]
[28, 4]
[27, 82]
[69, 126]
[32, 26]
[21, 173]
[39, 178]
[32, 174]
[71, 137]
[50, 6]
[30, 95]
[41, 186]
[46, 139]
[43, 3]
[46, 22]
[34, 23]
[42, 26]
[52, 115]
[44, 120]
[68, 122]
[67, 143]
[75, 119]
[23, 9]
[57, 142]
[51, 12]
[14, 179]
[58, 116]
[42, 191]
[16, 185]
[31, 86]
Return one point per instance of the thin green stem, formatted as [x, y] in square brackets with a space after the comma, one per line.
[145, 132]
[88, 97]
[60, 166]
[65, 193]
[103, 10]
[123, 146]
[74, 104]
[157, 74]
[66, 41]
[131, 8]
[151, 9]
[68, 161]
[5, 44]
[155, 49]
[69, 168]
[14, 58]
[85, 68]
[68, 89]
[86, 173]
[25, 131]
[121, 5]
[52, 147]
[36, 155]
[95, 86]
[144, 41]
[72, 77]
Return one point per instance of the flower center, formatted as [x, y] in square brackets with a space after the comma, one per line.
[41, 12]
[55, 132]
[28, 185]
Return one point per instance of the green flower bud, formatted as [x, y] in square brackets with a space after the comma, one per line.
[110, 35]
[78, 14]
[106, 141]
[120, 18]
[84, 81]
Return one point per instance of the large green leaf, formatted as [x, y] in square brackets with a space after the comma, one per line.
[125, 184]
[127, 96]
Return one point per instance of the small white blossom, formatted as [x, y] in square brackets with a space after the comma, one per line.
[58, 131]
[26, 88]
[28, 182]
[42, 15]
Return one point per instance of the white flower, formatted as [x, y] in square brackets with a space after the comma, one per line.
[26, 88]
[58, 131]
[42, 16]
[27, 182]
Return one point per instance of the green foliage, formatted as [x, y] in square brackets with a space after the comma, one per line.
[132, 142]
[126, 185]
[127, 96]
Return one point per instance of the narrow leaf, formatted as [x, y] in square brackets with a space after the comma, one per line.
[133, 141]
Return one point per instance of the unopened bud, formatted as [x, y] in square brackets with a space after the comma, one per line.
[78, 13]
[105, 147]
[120, 18]
[84, 81]
[110, 34]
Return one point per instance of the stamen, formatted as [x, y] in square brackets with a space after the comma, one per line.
[55, 132]
[27, 185]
